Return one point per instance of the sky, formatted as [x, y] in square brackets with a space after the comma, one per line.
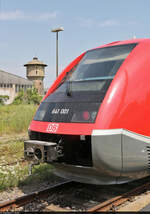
[25, 29]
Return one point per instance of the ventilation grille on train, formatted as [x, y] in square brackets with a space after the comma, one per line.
[148, 156]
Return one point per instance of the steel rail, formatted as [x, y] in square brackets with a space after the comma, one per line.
[21, 201]
[108, 205]
[111, 204]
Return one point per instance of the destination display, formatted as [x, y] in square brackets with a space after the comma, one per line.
[67, 112]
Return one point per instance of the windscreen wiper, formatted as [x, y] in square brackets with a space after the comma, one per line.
[63, 80]
[68, 88]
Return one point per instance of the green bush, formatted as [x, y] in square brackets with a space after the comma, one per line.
[3, 99]
[30, 96]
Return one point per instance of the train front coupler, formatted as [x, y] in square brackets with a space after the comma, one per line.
[41, 151]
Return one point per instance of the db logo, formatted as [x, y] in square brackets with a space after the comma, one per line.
[52, 127]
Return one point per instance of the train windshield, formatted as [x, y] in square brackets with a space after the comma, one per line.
[79, 95]
[96, 67]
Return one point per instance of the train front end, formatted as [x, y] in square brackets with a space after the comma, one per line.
[74, 129]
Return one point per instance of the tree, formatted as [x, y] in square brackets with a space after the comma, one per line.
[30, 96]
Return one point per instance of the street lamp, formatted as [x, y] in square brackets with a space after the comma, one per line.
[56, 30]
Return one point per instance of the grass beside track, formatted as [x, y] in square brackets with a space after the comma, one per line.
[15, 118]
[14, 122]
[17, 175]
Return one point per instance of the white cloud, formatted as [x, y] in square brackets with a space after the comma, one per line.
[47, 16]
[11, 15]
[109, 23]
[95, 23]
[86, 22]
[18, 15]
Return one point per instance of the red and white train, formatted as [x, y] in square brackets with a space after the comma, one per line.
[93, 125]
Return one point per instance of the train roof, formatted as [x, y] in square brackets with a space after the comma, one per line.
[124, 42]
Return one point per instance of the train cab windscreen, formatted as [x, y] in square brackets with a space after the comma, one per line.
[78, 96]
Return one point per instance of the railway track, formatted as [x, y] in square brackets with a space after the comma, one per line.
[112, 204]
[21, 201]
[57, 189]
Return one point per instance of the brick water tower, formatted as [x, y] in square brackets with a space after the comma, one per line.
[35, 71]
